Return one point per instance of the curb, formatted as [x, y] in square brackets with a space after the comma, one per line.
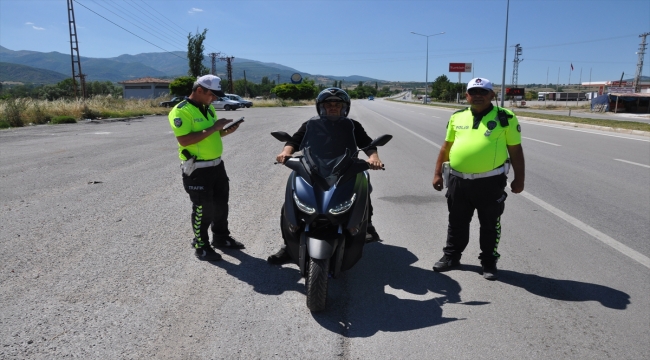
[569, 124]
[97, 121]
[587, 126]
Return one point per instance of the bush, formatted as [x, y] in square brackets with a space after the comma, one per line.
[88, 113]
[37, 114]
[12, 112]
[64, 119]
[4, 124]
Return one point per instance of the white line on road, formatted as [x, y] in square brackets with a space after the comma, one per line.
[545, 142]
[566, 127]
[409, 130]
[633, 163]
[632, 254]
[437, 117]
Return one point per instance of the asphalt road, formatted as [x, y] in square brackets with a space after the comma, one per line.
[96, 263]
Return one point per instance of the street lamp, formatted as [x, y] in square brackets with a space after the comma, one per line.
[426, 81]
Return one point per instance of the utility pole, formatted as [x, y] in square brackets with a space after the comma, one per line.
[228, 60]
[74, 49]
[639, 64]
[245, 85]
[515, 69]
[213, 56]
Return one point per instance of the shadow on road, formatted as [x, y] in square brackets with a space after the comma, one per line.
[360, 305]
[566, 290]
[264, 278]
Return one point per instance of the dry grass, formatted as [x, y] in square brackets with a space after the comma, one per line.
[30, 111]
[25, 111]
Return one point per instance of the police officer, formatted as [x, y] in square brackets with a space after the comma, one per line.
[478, 143]
[195, 125]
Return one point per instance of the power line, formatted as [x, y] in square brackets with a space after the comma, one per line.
[158, 20]
[131, 22]
[139, 37]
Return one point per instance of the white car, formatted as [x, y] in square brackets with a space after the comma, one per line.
[243, 103]
[225, 103]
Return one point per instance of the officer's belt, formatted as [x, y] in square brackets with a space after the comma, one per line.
[204, 164]
[498, 171]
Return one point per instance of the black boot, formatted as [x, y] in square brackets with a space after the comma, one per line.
[371, 234]
[281, 257]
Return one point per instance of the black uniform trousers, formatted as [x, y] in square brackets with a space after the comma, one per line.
[487, 196]
[209, 190]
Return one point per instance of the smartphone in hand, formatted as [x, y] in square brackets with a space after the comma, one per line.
[234, 123]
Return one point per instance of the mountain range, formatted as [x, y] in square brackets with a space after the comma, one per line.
[165, 65]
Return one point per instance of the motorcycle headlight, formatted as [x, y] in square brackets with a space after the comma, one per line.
[304, 208]
[343, 207]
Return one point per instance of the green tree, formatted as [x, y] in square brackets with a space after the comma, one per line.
[438, 86]
[195, 50]
[306, 90]
[182, 86]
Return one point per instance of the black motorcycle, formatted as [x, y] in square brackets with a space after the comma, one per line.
[325, 211]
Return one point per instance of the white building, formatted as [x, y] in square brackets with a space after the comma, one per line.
[145, 88]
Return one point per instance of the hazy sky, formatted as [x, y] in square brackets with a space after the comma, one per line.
[355, 37]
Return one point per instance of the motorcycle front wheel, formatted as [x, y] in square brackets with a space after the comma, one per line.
[317, 284]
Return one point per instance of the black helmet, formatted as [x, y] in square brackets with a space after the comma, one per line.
[333, 94]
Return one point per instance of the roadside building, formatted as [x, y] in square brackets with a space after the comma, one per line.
[145, 88]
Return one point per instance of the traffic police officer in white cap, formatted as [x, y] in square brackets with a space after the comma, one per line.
[482, 143]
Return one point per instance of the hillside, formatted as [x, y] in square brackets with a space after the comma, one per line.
[28, 74]
[160, 65]
[95, 69]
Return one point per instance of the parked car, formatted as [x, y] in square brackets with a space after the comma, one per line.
[239, 99]
[225, 103]
[175, 100]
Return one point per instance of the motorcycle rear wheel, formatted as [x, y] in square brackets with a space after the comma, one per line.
[317, 284]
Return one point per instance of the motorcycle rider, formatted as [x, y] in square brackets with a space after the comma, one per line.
[333, 104]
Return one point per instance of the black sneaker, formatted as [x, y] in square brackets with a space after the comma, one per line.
[227, 242]
[371, 234]
[490, 271]
[445, 263]
[206, 253]
[279, 258]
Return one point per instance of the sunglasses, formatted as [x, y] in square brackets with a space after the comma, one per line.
[478, 91]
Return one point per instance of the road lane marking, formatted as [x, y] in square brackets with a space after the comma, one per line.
[633, 163]
[629, 252]
[625, 250]
[545, 142]
[102, 133]
[409, 130]
[437, 117]
[566, 127]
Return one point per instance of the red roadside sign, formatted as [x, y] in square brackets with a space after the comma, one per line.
[460, 67]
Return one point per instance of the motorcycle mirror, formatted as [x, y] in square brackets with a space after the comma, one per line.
[281, 135]
[381, 141]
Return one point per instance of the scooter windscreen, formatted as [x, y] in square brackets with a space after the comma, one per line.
[328, 145]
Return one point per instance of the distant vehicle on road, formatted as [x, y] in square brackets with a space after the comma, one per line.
[226, 104]
[243, 103]
[371, 97]
[175, 100]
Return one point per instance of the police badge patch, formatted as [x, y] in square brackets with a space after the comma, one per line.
[178, 122]
[518, 127]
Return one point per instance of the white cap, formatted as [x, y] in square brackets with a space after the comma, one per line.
[212, 83]
[479, 83]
